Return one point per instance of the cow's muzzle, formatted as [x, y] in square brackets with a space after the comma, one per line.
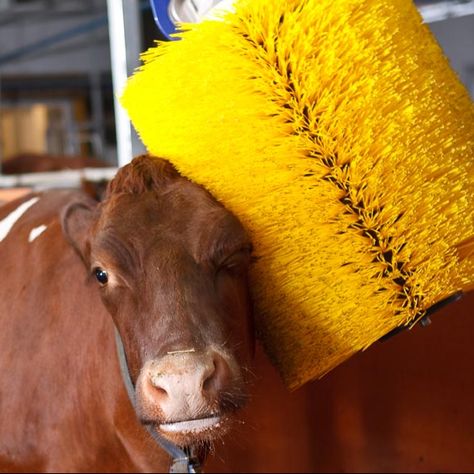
[189, 395]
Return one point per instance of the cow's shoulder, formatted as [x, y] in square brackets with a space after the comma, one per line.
[24, 219]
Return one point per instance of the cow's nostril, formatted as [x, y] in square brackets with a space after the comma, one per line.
[161, 391]
[217, 377]
[157, 388]
[209, 381]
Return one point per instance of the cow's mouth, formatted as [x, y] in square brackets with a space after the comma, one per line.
[196, 430]
[192, 426]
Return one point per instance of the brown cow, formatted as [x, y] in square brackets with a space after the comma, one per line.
[401, 406]
[165, 264]
[44, 162]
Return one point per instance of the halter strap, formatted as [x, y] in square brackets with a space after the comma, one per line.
[183, 461]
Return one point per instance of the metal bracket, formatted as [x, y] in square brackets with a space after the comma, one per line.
[169, 13]
[425, 321]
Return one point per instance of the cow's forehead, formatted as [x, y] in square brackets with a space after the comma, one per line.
[180, 202]
[179, 212]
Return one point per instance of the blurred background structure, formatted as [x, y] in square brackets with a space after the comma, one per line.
[58, 71]
[400, 407]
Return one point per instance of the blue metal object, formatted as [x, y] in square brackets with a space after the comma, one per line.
[161, 14]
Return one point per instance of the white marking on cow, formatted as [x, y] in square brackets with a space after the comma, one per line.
[8, 222]
[36, 232]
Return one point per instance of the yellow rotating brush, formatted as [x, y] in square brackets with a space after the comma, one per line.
[337, 132]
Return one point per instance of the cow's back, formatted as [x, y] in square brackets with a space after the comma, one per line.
[62, 405]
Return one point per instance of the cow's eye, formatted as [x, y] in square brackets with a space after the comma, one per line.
[101, 275]
[237, 262]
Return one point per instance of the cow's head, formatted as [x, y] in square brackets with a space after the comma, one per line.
[171, 263]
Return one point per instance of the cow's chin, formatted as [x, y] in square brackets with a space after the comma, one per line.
[195, 431]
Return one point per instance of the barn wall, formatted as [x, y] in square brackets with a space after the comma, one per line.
[78, 55]
[402, 406]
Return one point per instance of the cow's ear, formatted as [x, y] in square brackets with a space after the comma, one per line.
[77, 219]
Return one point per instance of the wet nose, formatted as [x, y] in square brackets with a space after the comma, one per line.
[185, 384]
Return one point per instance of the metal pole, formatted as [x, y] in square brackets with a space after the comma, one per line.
[134, 45]
[125, 42]
[97, 129]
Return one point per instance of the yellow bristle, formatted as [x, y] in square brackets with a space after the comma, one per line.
[337, 132]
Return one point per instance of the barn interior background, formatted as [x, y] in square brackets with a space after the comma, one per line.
[402, 405]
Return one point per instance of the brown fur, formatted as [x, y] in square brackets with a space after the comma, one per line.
[165, 243]
[142, 175]
[43, 162]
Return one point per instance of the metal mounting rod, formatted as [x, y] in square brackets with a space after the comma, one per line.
[125, 48]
